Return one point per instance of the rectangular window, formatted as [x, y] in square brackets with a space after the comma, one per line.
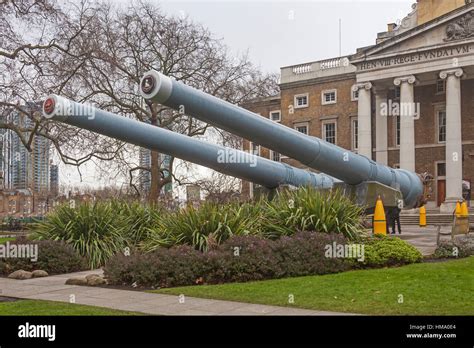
[440, 86]
[355, 135]
[302, 128]
[301, 100]
[329, 132]
[354, 95]
[275, 156]
[441, 126]
[329, 97]
[275, 116]
[441, 169]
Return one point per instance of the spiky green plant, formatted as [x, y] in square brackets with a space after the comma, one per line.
[94, 230]
[203, 227]
[137, 220]
[99, 230]
[308, 209]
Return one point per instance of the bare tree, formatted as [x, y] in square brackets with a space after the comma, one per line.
[93, 51]
[36, 37]
[219, 188]
[141, 38]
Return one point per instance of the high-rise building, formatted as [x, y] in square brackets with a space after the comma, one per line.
[41, 164]
[54, 179]
[6, 158]
[22, 169]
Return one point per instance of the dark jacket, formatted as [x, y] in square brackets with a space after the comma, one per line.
[396, 213]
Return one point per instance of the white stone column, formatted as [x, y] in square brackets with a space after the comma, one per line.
[381, 142]
[453, 138]
[407, 121]
[364, 121]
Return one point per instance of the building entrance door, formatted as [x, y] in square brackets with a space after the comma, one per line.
[441, 191]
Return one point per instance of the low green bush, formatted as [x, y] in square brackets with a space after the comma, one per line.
[250, 258]
[164, 267]
[54, 257]
[380, 251]
[457, 248]
[301, 254]
[239, 259]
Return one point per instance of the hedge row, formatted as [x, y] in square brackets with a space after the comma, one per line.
[251, 258]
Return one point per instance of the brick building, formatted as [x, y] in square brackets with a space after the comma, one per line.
[407, 101]
[23, 203]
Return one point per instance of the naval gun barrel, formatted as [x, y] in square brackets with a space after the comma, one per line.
[240, 164]
[313, 152]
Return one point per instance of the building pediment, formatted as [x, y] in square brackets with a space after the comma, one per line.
[448, 36]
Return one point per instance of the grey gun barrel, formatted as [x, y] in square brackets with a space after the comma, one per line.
[315, 153]
[240, 164]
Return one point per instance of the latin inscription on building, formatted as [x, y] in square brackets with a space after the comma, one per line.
[414, 58]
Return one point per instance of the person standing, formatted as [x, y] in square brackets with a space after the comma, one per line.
[388, 218]
[396, 219]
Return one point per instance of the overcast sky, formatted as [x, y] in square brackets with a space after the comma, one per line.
[281, 33]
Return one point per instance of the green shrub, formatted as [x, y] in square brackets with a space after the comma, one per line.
[239, 259]
[380, 251]
[100, 230]
[164, 267]
[95, 230]
[308, 209]
[54, 257]
[305, 209]
[457, 248]
[203, 227]
[303, 253]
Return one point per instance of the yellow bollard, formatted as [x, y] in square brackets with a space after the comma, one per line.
[380, 223]
[458, 209]
[422, 216]
[464, 209]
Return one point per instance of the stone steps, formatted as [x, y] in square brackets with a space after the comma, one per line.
[431, 219]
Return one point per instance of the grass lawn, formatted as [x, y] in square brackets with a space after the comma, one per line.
[6, 239]
[437, 288]
[37, 307]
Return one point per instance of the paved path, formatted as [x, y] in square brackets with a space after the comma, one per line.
[424, 239]
[53, 289]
